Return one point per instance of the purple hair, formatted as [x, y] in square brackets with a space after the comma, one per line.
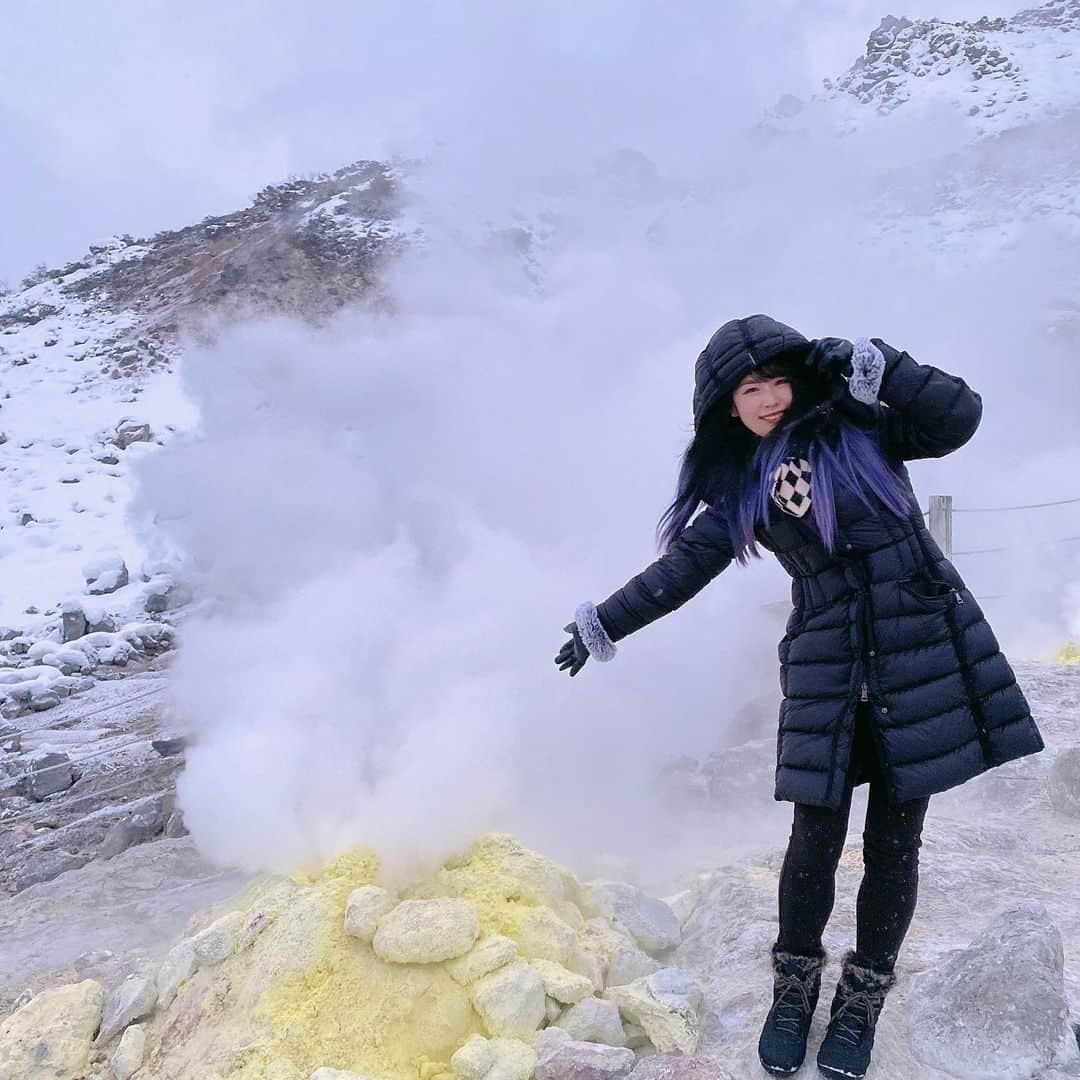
[725, 463]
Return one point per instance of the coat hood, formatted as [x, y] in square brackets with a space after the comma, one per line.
[737, 347]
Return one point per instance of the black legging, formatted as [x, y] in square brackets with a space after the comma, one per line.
[887, 895]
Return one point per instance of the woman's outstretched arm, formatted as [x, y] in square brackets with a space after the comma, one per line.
[928, 414]
[701, 551]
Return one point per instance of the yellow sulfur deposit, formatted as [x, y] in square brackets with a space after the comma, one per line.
[1069, 653]
[299, 993]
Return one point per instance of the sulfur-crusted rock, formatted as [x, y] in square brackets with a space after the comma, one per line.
[679, 1067]
[177, 967]
[365, 907]
[585, 962]
[666, 1005]
[561, 984]
[487, 955]
[629, 963]
[511, 1000]
[998, 1007]
[593, 1020]
[133, 999]
[52, 1034]
[129, 1053]
[651, 922]
[493, 1059]
[326, 1073]
[212, 945]
[426, 931]
[542, 935]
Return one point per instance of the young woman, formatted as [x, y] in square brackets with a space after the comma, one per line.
[889, 672]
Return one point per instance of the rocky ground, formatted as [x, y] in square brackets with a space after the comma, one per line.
[522, 968]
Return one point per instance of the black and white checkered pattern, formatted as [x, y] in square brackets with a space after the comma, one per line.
[791, 486]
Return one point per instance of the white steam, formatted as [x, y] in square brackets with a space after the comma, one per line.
[399, 514]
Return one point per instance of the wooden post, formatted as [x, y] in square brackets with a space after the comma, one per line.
[941, 522]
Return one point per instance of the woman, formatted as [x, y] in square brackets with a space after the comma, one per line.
[889, 672]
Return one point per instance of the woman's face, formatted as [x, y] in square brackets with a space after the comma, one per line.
[761, 403]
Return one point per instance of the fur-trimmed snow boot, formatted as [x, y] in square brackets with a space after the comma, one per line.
[849, 1039]
[796, 985]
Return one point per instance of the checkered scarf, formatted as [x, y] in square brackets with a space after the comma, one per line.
[791, 486]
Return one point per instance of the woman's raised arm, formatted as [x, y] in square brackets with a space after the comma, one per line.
[929, 413]
[701, 551]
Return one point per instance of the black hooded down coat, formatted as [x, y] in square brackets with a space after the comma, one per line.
[886, 619]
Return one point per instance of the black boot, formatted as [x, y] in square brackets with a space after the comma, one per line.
[860, 994]
[796, 984]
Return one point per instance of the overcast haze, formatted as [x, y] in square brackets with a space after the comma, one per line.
[134, 117]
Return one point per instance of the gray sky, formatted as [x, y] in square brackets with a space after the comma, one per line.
[138, 116]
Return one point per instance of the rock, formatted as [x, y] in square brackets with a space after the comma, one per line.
[585, 962]
[218, 941]
[50, 772]
[146, 820]
[511, 1000]
[627, 964]
[133, 999]
[553, 1009]
[572, 1060]
[666, 1005]
[1065, 781]
[47, 699]
[105, 575]
[636, 1037]
[365, 907]
[326, 1073]
[593, 1020]
[678, 1067]
[72, 623]
[51, 1035]
[156, 602]
[426, 931]
[283, 1070]
[7, 633]
[267, 909]
[998, 1007]
[105, 625]
[47, 866]
[651, 922]
[10, 739]
[541, 934]
[487, 955]
[561, 984]
[131, 431]
[177, 967]
[129, 1054]
[175, 826]
[20, 646]
[169, 745]
[493, 1059]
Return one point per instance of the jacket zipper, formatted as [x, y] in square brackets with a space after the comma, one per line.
[864, 692]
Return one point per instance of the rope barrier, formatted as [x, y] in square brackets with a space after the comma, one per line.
[998, 509]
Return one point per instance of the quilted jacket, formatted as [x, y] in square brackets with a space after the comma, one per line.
[886, 619]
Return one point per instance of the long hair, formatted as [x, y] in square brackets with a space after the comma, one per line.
[727, 464]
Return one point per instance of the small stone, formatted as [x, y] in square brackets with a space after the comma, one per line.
[561, 984]
[572, 1060]
[130, 431]
[175, 826]
[218, 941]
[426, 931]
[72, 624]
[105, 625]
[133, 999]
[511, 1001]
[365, 907]
[541, 934]
[651, 922]
[177, 967]
[487, 955]
[129, 1054]
[627, 964]
[52, 1034]
[105, 575]
[594, 1020]
[493, 1059]
[20, 646]
[48, 699]
[169, 745]
[50, 772]
[666, 1005]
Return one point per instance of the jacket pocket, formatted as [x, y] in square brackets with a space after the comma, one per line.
[928, 592]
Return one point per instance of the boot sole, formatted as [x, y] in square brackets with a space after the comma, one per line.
[827, 1070]
[777, 1070]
